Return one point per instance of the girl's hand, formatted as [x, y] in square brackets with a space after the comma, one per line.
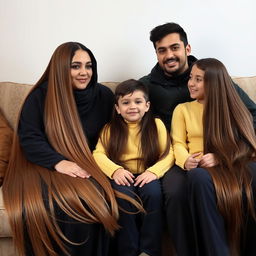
[71, 169]
[208, 160]
[145, 178]
[123, 177]
[192, 161]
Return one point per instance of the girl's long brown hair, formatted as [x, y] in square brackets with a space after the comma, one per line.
[115, 145]
[24, 181]
[229, 134]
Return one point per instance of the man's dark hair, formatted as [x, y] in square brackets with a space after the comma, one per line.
[161, 31]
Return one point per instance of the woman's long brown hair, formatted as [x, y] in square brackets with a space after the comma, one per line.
[24, 181]
[229, 134]
[115, 145]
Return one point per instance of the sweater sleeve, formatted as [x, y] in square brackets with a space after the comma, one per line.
[32, 135]
[251, 106]
[164, 164]
[101, 158]
[179, 137]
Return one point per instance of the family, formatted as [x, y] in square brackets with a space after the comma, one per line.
[100, 174]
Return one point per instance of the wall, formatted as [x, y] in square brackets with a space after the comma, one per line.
[117, 31]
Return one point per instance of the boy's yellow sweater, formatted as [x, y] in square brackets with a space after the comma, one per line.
[132, 154]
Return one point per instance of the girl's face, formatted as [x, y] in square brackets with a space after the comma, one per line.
[196, 84]
[81, 69]
[132, 107]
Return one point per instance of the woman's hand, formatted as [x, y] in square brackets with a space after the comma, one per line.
[123, 177]
[71, 169]
[145, 178]
[192, 161]
[208, 160]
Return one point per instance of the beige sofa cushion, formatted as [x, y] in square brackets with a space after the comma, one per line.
[248, 84]
[11, 99]
[5, 230]
[6, 135]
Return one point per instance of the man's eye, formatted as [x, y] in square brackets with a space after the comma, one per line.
[175, 48]
[161, 51]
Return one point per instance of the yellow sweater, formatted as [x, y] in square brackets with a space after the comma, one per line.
[187, 131]
[132, 154]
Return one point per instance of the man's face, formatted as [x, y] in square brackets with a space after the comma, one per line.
[172, 54]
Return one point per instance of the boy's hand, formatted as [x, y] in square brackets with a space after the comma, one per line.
[145, 178]
[123, 177]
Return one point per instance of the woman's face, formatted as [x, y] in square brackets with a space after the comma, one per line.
[81, 69]
[196, 84]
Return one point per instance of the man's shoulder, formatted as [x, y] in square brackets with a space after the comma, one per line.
[145, 79]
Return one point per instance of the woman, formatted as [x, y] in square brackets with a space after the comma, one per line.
[214, 140]
[58, 200]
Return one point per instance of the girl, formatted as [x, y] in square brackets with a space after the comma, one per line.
[134, 152]
[214, 139]
[57, 199]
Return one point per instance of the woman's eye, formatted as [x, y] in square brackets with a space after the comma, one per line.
[75, 66]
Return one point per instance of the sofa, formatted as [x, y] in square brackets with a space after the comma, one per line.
[11, 97]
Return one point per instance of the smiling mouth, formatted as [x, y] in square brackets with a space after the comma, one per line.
[171, 61]
[82, 80]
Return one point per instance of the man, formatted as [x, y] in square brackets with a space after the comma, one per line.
[167, 85]
[168, 80]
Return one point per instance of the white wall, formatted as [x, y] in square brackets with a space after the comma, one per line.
[117, 31]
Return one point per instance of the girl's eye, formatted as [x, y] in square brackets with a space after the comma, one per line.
[88, 66]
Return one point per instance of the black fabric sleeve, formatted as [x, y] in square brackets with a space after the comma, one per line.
[251, 106]
[32, 135]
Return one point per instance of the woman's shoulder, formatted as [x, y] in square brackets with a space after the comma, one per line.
[38, 91]
[36, 97]
[105, 89]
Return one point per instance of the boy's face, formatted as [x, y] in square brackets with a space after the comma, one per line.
[172, 54]
[132, 107]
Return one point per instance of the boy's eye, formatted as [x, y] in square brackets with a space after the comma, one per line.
[138, 101]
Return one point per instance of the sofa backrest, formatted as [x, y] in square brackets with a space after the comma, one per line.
[12, 95]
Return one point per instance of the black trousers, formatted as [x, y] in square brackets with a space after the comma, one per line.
[140, 232]
[194, 222]
[91, 238]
